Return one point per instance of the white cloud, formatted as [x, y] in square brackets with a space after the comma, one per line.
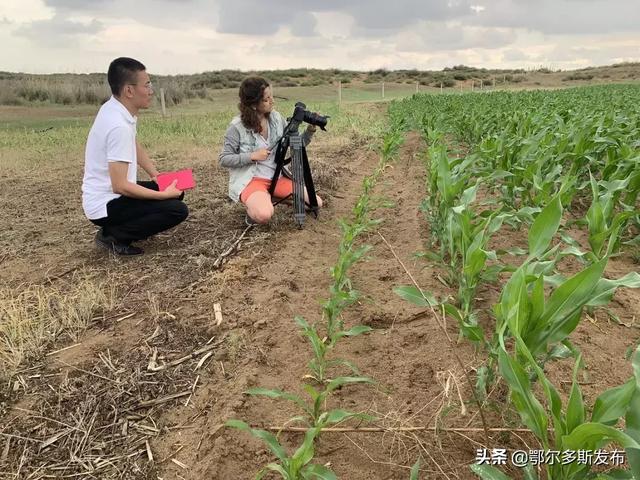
[58, 31]
[185, 36]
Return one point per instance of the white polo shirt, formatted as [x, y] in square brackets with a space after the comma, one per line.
[112, 139]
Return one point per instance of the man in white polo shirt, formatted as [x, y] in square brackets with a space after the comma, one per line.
[126, 210]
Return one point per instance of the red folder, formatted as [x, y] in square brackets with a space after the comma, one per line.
[184, 177]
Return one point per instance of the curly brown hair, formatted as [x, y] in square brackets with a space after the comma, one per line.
[251, 93]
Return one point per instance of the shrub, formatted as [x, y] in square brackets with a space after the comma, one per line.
[578, 76]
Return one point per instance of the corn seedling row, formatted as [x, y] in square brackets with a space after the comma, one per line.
[314, 415]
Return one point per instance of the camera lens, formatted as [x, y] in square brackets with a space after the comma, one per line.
[315, 119]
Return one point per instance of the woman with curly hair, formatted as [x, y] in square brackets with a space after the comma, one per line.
[246, 151]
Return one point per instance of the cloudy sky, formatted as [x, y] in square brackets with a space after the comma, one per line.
[188, 36]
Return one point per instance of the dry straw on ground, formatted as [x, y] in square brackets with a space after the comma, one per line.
[33, 316]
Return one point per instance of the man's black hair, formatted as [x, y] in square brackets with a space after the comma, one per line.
[122, 71]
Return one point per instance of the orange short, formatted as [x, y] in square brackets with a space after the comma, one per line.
[284, 188]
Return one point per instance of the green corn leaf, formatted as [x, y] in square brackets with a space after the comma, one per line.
[276, 394]
[336, 362]
[311, 333]
[537, 302]
[515, 303]
[482, 380]
[337, 416]
[564, 305]
[605, 288]
[341, 381]
[633, 459]
[355, 331]
[575, 406]
[555, 403]
[573, 251]
[632, 417]
[531, 411]
[558, 352]
[613, 403]
[415, 296]
[305, 452]
[487, 472]
[615, 475]
[545, 227]
[469, 195]
[590, 436]
[415, 471]
[475, 260]
[274, 467]
[313, 393]
[555, 280]
[512, 251]
[444, 175]
[263, 435]
[472, 332]
[433, 256]
[529, 472]
[318, 472]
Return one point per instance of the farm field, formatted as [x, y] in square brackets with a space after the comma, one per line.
[460, 305]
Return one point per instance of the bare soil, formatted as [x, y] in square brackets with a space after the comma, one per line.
[82, 412]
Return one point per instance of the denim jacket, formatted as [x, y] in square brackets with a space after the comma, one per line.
[240, 142]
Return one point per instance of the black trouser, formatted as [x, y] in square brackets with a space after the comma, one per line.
[130, 219]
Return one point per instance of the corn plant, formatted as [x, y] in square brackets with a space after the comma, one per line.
[524, 312]
[320, 364]
[462, 235]
[571, 429]
[604, 223]
[449, 179]
[467, 267]
[314, 413]
[290, 467]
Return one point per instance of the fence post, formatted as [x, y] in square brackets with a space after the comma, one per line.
[162, 103]
[417, 84]
[382, 89]
[339, 92]
[440, 87]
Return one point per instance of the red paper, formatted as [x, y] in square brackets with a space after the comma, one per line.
[184, 177]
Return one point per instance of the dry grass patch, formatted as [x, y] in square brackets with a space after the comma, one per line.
[33, 316]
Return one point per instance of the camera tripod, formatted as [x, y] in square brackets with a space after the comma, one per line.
[300, 172]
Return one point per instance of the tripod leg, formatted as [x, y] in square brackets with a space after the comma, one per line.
[297, 170]
[308, 181]
[281, 151]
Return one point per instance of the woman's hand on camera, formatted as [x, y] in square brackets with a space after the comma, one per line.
[260, 155]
